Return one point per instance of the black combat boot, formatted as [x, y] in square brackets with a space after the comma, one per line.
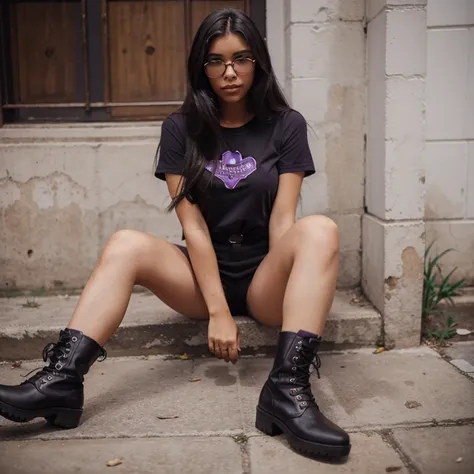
[56, 392]
[287, 405]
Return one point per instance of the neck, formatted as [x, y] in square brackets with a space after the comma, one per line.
[234, 114]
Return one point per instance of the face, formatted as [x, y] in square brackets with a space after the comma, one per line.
[231, 85]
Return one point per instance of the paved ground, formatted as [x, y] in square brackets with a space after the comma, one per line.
[407, 411]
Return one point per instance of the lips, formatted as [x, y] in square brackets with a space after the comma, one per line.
[231, 88]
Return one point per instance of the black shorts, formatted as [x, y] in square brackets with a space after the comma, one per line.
[237, 266]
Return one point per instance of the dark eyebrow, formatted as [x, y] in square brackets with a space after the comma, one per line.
[238, 53]
[245, 51]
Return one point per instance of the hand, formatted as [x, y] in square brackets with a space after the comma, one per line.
[224, 337]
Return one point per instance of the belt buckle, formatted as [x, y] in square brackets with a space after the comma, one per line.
[236, 240]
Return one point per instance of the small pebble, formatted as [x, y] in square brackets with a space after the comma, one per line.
[459, 460]
[412, 404]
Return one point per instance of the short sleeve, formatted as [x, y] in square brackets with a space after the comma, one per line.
[172, 148]
[295, 154]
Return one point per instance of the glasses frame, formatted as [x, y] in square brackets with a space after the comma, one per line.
[230, 63]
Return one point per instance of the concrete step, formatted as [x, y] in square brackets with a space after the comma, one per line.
[462, 311]
[463, 305]
[151, 328]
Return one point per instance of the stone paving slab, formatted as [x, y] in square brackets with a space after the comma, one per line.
[369, 455]
[144, 456]
[461, 351]
[364, 393]
[126, 397]
[150, 327]
[359, 389]
[435, 450]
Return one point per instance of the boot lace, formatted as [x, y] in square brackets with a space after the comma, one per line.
[53, 353]
[306, 360]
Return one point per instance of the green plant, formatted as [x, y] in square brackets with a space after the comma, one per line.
[434, 293]
[448, 332]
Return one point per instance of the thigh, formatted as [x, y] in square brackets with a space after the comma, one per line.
[265, 297]
[267, 289]
[166, 271]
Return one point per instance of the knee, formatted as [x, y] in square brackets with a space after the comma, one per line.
[319, 231]
[124, 245]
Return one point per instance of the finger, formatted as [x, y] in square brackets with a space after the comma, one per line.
[238, 341]
[233, 354]
[218, 351]
[225, 354]
[211, 345]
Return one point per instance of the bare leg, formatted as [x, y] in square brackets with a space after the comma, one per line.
[295, 284]
[135, 258]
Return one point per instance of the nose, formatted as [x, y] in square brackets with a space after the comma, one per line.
[229, 73]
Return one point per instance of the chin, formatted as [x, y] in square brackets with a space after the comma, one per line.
[233, 99]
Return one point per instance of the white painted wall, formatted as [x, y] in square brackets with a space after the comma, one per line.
[449, 154]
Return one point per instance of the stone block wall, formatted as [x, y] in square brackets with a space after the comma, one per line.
[393, 227]
[324, 77]
[449, 154]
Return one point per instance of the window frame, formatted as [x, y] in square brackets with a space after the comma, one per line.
[93, 83]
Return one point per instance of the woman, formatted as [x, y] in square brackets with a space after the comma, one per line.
[233, 158]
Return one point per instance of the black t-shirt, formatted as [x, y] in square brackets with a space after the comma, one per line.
[245, 183]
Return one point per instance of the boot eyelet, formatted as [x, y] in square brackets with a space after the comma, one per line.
[292, 380]
[50, 378]
[58, 366]
[292, 391]
[74, 339]
[298, 397]
[293, 369]
[295, 359]
[302, 404]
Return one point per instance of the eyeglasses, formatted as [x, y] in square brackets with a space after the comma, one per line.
[217, 68]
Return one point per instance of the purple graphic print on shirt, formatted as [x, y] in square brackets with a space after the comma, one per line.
[233, 168]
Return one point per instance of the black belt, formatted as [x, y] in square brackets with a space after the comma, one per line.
[237, 240]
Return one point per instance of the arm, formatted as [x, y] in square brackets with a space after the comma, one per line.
[294, 164]
[201, 252]
[284, 208]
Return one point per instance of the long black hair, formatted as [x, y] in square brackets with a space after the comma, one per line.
[201, 107]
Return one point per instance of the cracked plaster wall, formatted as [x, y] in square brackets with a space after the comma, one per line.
[61, 200]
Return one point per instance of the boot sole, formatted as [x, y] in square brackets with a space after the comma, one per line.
[61, 417]
[272, 426]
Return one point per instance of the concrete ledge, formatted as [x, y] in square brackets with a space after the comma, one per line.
[74, 132]
[150, 327]
[463, 305]
[462, 312]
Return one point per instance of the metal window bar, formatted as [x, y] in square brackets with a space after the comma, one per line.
[85, 56]
[88, 104]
